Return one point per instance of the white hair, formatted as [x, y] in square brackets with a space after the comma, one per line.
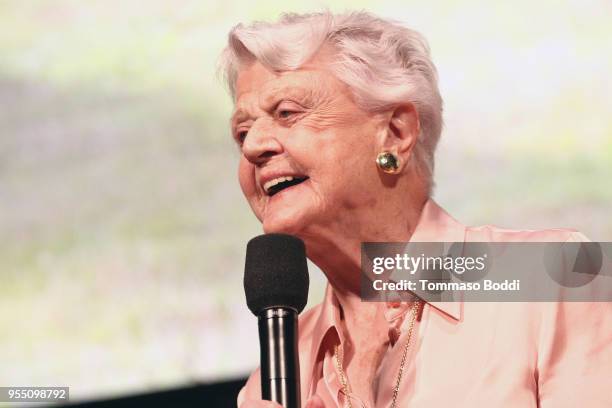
[383, 63]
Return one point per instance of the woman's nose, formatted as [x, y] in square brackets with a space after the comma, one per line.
[260, 144]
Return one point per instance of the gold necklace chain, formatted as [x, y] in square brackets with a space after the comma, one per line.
[343, 380]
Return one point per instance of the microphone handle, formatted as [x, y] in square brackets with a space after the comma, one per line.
[280, 365]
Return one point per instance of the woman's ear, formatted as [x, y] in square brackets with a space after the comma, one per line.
[401, 131]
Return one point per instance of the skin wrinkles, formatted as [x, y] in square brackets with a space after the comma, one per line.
[317, 104]
[345, 201]
[330, 114]
[329, 145]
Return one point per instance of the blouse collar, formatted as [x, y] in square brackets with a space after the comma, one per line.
[435, 225]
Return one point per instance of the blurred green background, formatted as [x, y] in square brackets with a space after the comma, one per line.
[122, 226]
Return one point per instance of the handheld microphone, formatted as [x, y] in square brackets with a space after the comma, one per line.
[276, 287]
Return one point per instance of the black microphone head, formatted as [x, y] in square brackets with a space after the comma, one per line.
[276, 273]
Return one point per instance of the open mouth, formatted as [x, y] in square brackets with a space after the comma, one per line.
[274, 186]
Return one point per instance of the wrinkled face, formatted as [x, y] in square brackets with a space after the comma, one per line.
[308, 151]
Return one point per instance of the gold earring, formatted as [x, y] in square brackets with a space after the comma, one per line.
[388, 162]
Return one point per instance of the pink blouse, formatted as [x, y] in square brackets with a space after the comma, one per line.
[470, 354]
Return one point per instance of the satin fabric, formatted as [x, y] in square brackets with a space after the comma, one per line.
[470, 354]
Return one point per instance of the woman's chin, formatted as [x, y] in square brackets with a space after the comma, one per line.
[282, 225]
[289, 211]
[285, 220]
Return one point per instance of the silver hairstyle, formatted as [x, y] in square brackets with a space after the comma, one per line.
[383, 63]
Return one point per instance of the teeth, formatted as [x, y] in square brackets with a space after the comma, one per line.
[274, 182]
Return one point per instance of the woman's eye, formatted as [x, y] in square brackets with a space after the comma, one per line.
[241, 136]
[285, 111]
[284, 114]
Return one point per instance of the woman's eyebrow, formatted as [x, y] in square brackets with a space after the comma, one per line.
[270, 99]
[288, 91]
[238, 116]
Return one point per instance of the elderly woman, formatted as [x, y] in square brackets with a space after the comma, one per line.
[337, 118]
